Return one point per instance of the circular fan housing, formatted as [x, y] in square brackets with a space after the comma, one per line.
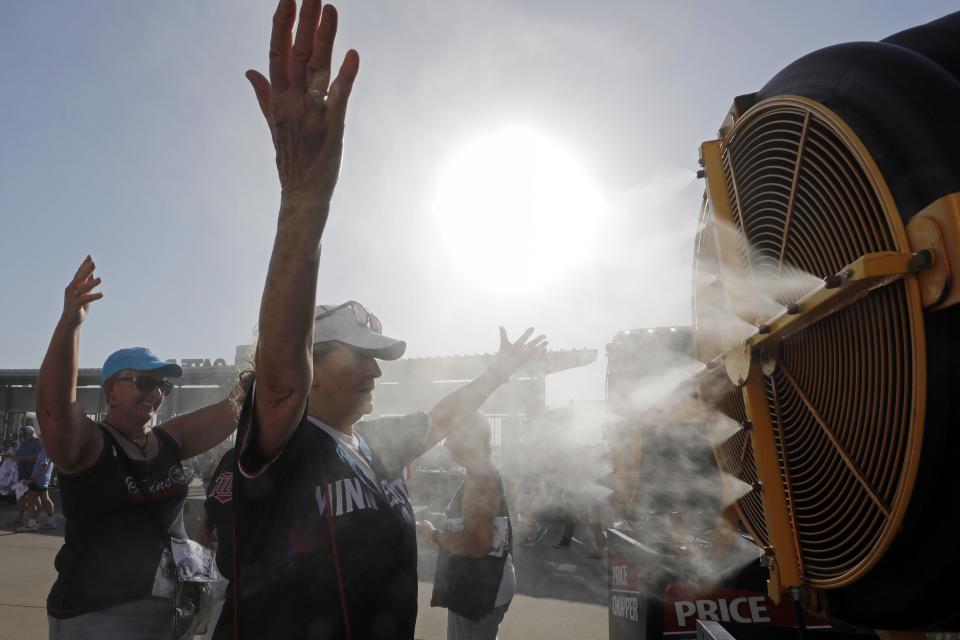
[828, 163]
[846, 395]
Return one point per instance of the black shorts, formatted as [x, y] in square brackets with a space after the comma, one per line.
[33, 486]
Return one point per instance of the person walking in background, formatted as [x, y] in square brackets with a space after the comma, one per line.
[568, 517]
[27, 451]
[38, 496]
[9, 478]
[569, 521]
[25, 455]
[475, 579]
[599, 519]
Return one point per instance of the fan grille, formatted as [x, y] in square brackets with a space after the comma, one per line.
[843, 397]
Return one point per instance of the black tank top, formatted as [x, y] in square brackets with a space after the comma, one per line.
[120, 514]
[468, 586]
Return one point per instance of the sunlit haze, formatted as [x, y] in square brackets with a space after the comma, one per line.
[505, 163]
[516, 211]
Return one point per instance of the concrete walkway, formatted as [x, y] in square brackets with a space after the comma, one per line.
[26, 573]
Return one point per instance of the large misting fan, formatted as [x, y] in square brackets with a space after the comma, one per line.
[846, 165]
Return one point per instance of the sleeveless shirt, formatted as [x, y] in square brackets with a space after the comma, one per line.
[120, 515]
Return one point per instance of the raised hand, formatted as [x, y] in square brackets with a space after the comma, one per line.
[78, 295]
[513, 355]
[304, 110]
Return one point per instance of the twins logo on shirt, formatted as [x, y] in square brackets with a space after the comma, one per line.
[352, 494]
[173, 484]
[346, 496]
[396, 492]
[222, 489]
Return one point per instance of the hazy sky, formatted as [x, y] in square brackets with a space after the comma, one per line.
[129, 132]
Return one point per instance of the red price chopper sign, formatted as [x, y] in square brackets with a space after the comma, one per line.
[684, 604]
[647, 603]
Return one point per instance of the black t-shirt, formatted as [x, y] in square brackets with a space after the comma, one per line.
[219, 508]
[287, 583]
[120, 515]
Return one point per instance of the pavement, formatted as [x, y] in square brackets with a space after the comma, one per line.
[560, 592]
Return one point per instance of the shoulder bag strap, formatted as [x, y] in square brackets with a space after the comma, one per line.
[328, 507]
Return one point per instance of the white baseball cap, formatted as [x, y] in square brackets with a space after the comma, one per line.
[352, 324]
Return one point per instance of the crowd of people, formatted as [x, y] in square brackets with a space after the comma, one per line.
[27, 472]
[313, 527]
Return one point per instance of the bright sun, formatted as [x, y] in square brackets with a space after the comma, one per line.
[516, 211]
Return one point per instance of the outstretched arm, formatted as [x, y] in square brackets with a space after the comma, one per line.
[305, 113]
[71, 439]
[205, 428]
[458, 405]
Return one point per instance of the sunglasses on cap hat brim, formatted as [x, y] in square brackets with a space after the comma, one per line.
[361, 314]
[359, 330]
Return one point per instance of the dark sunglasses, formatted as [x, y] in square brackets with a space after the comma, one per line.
[146, 384]
[360, 313]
